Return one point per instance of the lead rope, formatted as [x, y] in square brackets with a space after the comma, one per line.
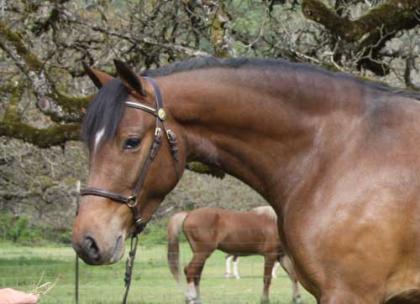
[76, 266]
[76, 283]
[129, 265]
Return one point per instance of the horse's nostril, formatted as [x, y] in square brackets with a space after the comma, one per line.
[91, 248]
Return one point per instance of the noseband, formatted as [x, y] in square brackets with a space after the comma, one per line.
[132, 200]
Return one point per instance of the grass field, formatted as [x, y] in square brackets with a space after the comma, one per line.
[23, 267]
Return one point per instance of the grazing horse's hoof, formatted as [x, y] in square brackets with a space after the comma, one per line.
[192, 300]
[297, 300]
[264, 301]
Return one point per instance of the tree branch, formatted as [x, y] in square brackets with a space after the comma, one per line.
[62, 107]
[43, 138]
[392, 16]
[369, 33]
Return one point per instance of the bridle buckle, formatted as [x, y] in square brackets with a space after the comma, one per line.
[158, 132]
[132, 201]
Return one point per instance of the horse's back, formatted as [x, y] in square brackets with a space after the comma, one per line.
[200, 226]
[234, 232]
[247, 233]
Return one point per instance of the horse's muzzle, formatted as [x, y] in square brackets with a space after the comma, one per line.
[88, 250]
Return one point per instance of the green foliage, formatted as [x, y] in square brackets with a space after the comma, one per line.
[156, 234]
[64, 236]
[153, 235]
[19, 230]
[189, 206]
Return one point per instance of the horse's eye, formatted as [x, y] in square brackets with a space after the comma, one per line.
[131, 143]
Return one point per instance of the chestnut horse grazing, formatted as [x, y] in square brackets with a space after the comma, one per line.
[336, 157]
[234, 232]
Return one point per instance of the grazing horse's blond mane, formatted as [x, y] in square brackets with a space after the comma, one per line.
[267, 210]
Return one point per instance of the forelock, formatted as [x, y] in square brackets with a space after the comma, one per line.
[104, 113]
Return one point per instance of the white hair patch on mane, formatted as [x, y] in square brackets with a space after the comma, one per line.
[98, 137]
[266, 210]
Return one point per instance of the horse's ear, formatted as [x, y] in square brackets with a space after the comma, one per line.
[129, 78]
[99, 78]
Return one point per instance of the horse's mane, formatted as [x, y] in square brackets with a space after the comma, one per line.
[198, 63]
[266, 210]
[206, 62]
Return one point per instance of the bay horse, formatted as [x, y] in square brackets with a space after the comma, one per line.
[240, 233]
[337, 157]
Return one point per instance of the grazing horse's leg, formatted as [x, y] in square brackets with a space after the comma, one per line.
[193, 273]
[235, 267]
[269, 261]
[228, 273]
[275, 268]
[287, 265]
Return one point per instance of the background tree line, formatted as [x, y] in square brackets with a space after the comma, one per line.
[43, 90]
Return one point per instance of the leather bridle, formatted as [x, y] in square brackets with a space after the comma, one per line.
[160, 128]
[132, 200]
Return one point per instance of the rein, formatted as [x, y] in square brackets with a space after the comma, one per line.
[132, 200]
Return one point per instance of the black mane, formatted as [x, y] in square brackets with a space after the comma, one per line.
[104, 112]
[197, 63]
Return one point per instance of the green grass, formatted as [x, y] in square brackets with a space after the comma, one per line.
[22, 267]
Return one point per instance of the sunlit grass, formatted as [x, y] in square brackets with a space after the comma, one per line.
[25, 267]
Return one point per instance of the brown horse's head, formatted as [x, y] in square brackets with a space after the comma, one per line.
[120, 140]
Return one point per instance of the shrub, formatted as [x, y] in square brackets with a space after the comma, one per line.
[19, 229]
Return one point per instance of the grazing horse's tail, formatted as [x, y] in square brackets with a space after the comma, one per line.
[174, 229]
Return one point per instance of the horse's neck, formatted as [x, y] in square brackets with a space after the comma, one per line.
[256, 126]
